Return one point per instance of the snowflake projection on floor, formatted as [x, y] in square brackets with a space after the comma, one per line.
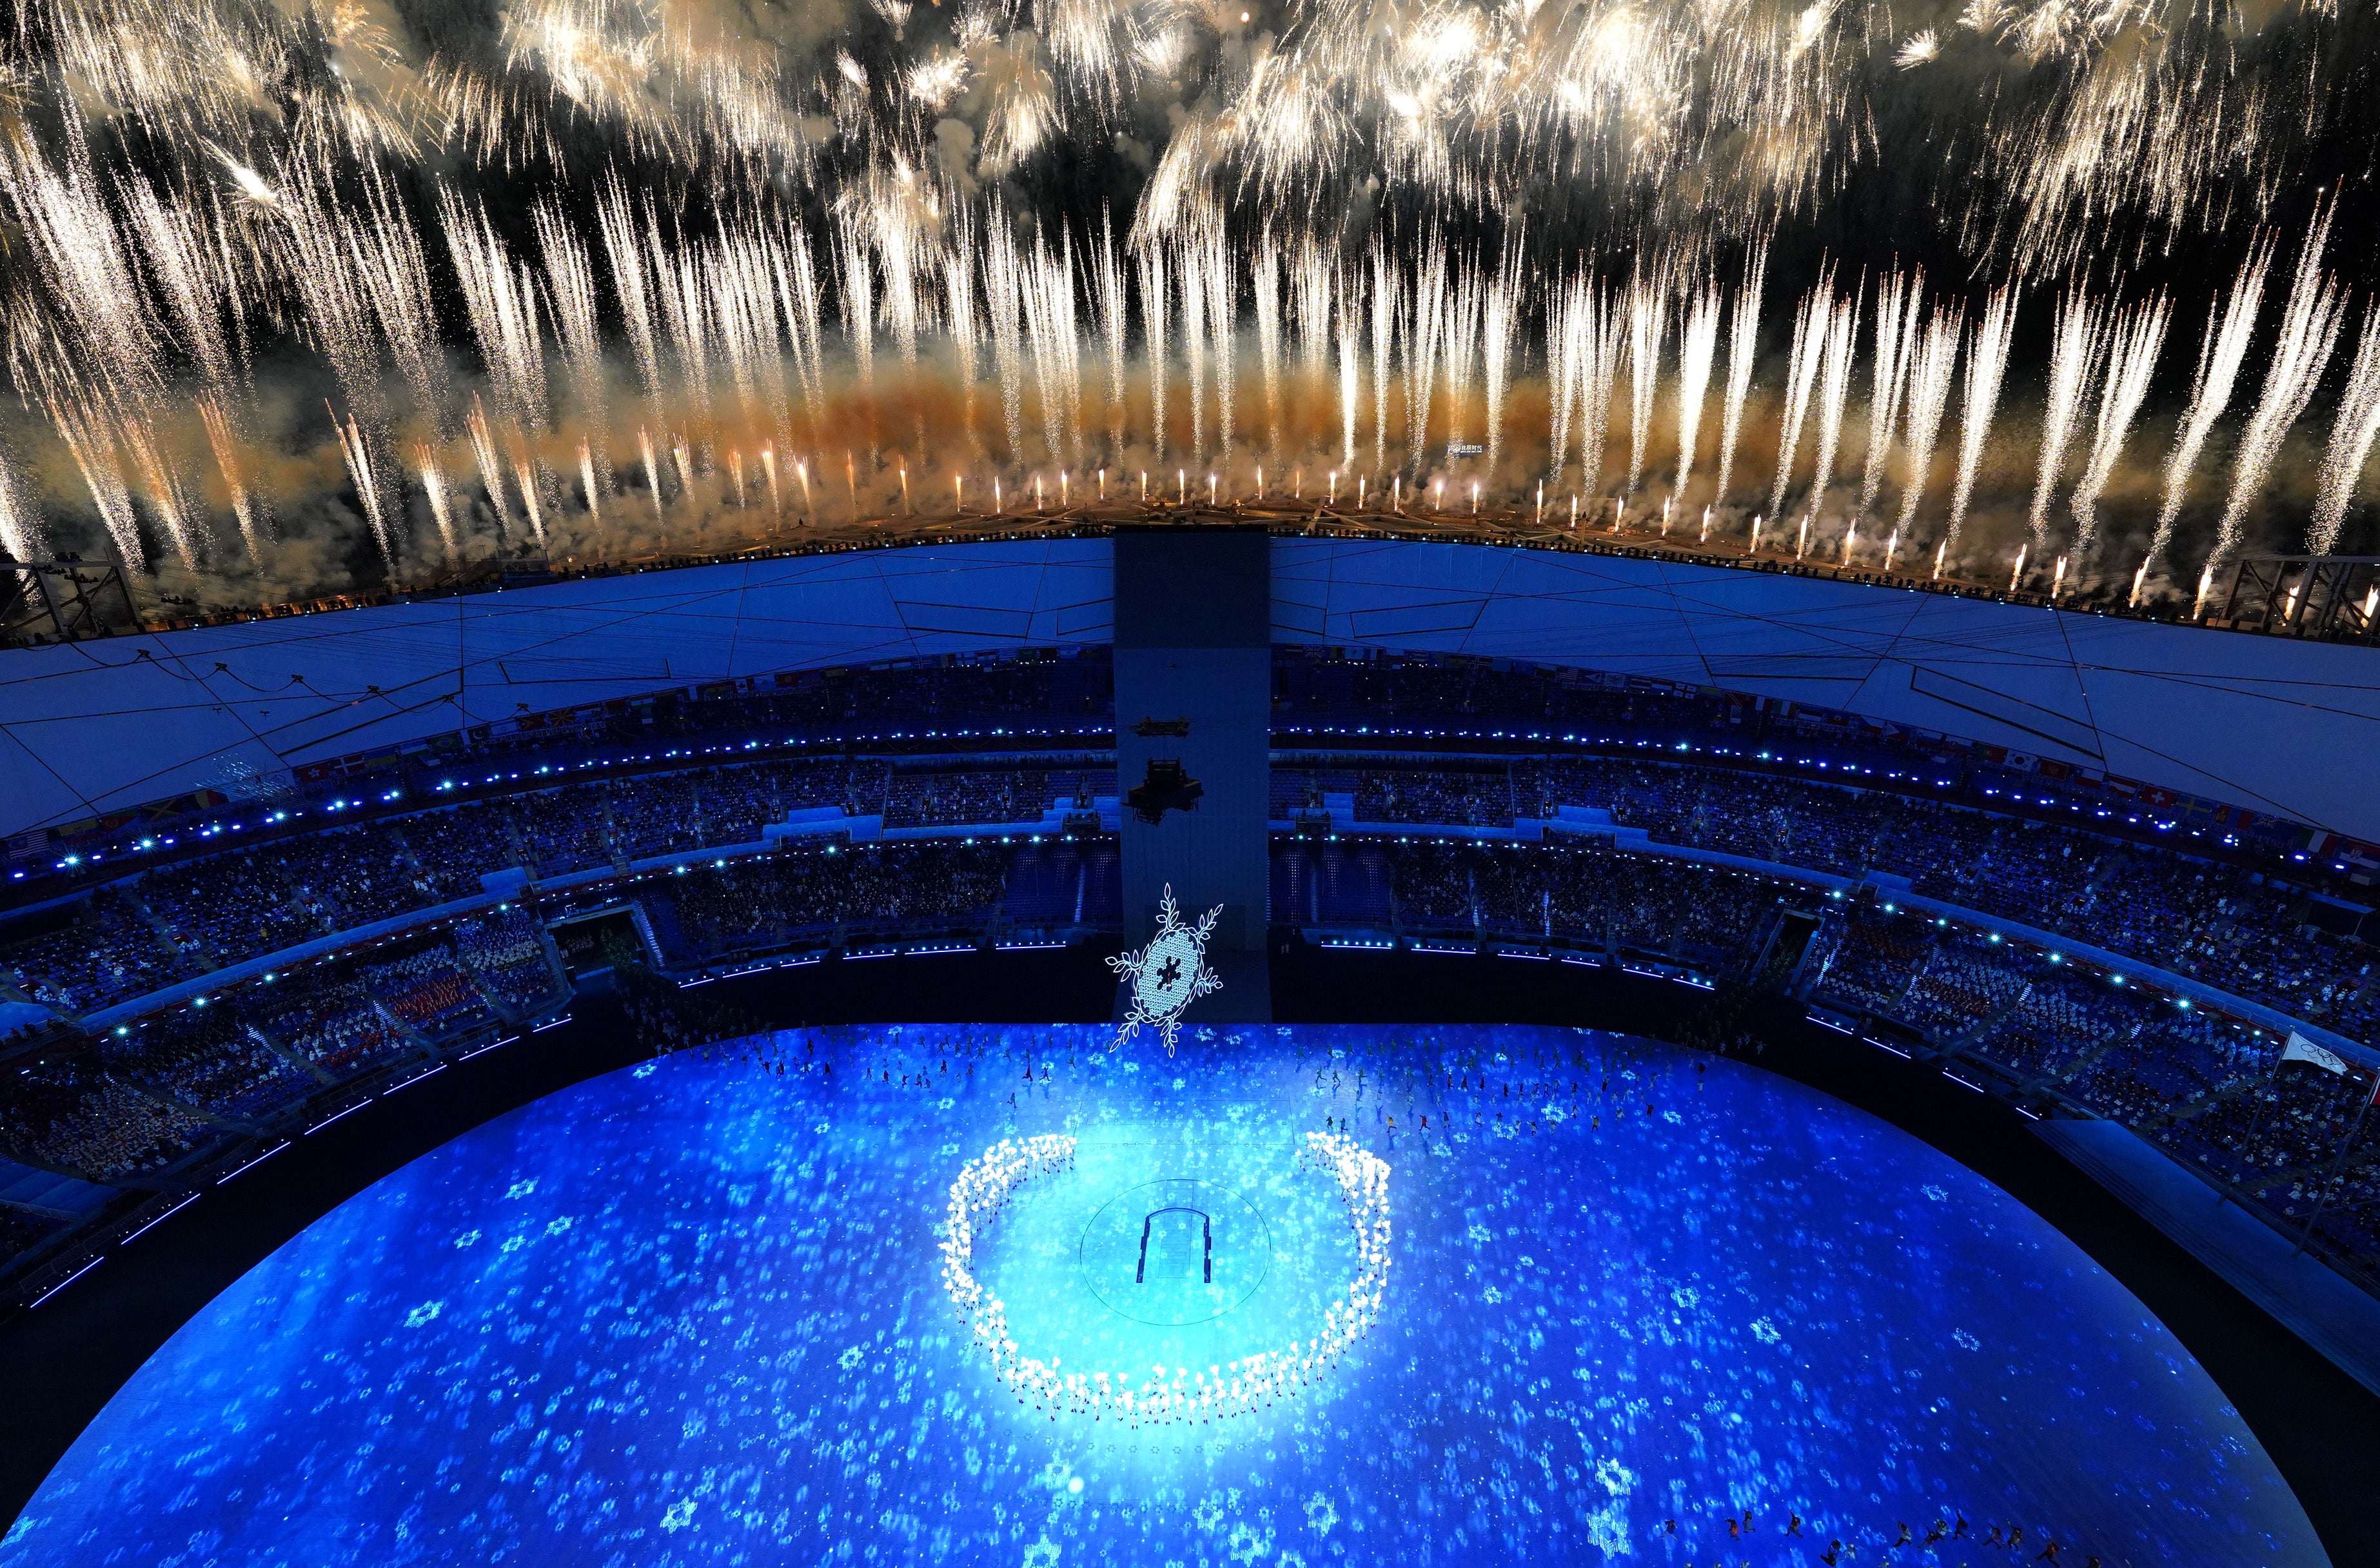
[1168, 974]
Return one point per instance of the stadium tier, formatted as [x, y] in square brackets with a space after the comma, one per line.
[237, 985]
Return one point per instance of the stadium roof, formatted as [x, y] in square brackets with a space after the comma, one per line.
[2281, 725]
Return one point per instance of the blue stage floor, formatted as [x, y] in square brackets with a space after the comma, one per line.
[692, 1313]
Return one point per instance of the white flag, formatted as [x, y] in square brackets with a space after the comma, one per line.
[2300, 1048]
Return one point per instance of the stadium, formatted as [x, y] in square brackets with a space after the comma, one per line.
[1312, 782]
[1815, 1088]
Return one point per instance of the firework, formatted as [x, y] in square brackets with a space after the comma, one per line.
[1648, 307]
[2351, 435]
[2309, 324]
[2078, 342]
[1834, 387]
[432, 480]
[1744, 343]
[1697, 346]
[1810, 324]
[1897, 308]
[2138, 337]
[2220, 355]
[1930, 366]
[1987, 350]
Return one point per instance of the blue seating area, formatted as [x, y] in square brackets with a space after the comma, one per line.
[1434, 852]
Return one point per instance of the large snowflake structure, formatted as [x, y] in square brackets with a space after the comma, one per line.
[1168, 974]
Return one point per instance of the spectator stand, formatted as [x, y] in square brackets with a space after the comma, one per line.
[513, 962]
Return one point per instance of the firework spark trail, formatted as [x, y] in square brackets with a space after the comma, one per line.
[321, 265]
[1108, 298]
[1898, 308]
[1460, 341]
[2220, 354]
[1384, 320]
[1834, 392]
[2138, 338]
[1565, 345]
[193, 291]
[1350, 372]
[162, 487]
[500, 298]
[1742, 347]
[653, 472]
[1930, 368]
[92, 446]
[1424, 329]
[1049, 332]
[432, 480]
[1223, 319]
[87, 265]
[1648, 308]
[2351, 435]
[1193, 287]
[359, 459]
[394, 274]
[856, 272]
[964, 321]
[1266, 282]
[2077, 344]
[2310, 324]
[1066, 329]
[179, 268]
[1498, 308]
[1604, 337]
[570, 289]
[1313, 299]
[591, 493]
[224, 441]
[791, 264]
[20, 525]
[1154, 312]
[1810, 324]
[1004, 289]
[677, 276]
[1987, 352]
[1698, 345]
[632, 283]
[896, 211]
[739, 281]
[491, 469]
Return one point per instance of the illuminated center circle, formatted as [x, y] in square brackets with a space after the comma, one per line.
[1167, 980]
[1174, 1251]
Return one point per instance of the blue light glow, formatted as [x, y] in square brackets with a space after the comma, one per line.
[692, 1313]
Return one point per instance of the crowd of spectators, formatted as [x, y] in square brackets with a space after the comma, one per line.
[347, 877]
[2194, 916]
[326, 1015]
[228, 906]
[987, 796]
[764, 901]
[92, 954]
[423, 984]
[506, 951]
[195, 917]
[69, 1114]
[1619, 902]
[2279, 1130]
[208, 1057]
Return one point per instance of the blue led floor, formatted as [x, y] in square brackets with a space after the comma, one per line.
[692, 1313]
